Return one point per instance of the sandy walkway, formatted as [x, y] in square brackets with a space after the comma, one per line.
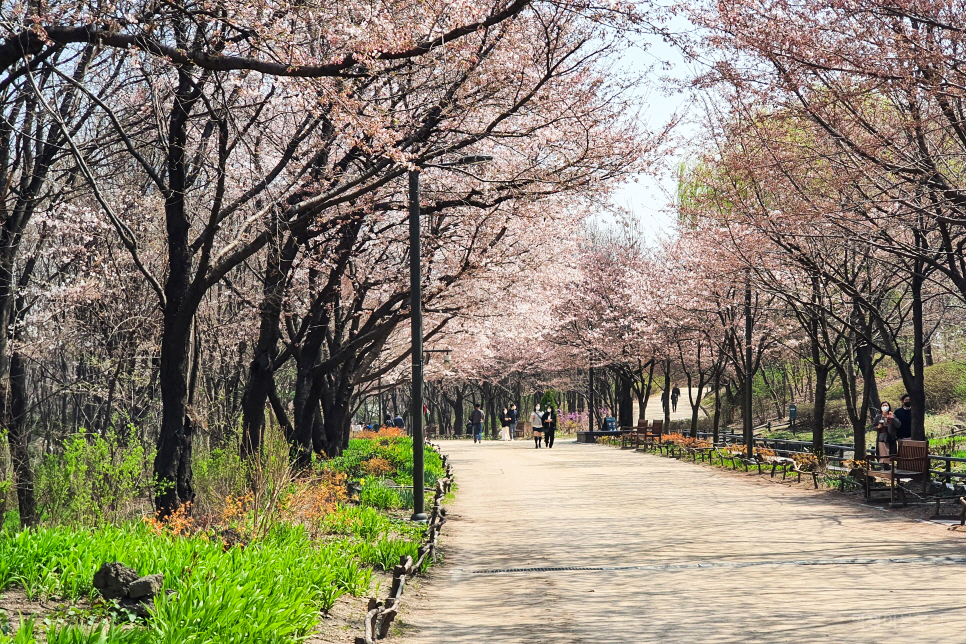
[674, 552]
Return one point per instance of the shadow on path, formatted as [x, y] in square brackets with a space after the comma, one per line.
[676, 552]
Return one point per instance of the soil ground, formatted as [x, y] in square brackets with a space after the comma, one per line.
[588, 543]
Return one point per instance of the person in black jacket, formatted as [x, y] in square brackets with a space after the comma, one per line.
[514, 417]
[904, 414]
[549, 425]
[476, 417]
[505, 420]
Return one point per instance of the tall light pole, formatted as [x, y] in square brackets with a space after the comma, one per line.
[749, 430]
[416, 310]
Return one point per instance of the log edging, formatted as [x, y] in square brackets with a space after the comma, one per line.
[381, 614]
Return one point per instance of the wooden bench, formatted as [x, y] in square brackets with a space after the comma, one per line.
[796, 469]
[911, 463]
[520, 430]
[633, 434]
[654, 433]
[723, 455]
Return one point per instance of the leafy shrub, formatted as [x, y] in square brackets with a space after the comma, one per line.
[218, 475]
[270, 591]
[376, 466]
[945, 385]
[385, 553]
[549, 399]
[836, 415]
[96, 479]
[376, 494]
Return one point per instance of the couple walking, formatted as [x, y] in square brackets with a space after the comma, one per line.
[544, 424]
[509, 422]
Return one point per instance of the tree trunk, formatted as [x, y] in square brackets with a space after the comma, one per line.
[821, 394]
[262, 367]
[716, 423]
[459, 410]
[19, 441]
[666, 396]
[625, 402]
[172, 464]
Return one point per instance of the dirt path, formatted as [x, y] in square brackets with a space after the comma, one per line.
[673, 552]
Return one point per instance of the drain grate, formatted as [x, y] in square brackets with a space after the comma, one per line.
[934, 561]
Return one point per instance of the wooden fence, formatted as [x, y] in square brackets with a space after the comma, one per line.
[381, 614]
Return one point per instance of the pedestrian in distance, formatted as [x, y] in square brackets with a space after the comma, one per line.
[904, 414]
[887, 427]
[399, 422]
[476, 417]
[675, 394]
[664, 401]
[505, 420]
[536, 426]
[514, 417]
[549, 426]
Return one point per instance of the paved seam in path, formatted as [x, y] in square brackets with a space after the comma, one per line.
[587, 543]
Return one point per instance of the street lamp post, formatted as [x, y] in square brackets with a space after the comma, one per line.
[416, 300]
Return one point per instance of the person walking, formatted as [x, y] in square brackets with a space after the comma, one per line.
[476, 417]
[505, 420]
[514, 417]
[675, 394]
[887, 427]
[664, 401]
[549, 426]
[536, 426]
[904, 414]
[399, 422]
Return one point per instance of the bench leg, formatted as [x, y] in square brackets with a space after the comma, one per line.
[815, 479]
[773, 466]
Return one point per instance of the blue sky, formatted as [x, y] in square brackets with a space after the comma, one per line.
[649, 198]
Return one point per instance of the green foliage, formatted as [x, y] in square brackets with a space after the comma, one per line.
[96, 479]
[24, 635]
[376, 494]
[549, 399]
[270, 591]
[945, 384]
[836, 415]
[369, 524]
[385, 553]
[217, 475]
[398, 451]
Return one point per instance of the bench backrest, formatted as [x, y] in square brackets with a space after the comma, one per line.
[914, 455]
[658, 425]
[521, 424]
[641, 423]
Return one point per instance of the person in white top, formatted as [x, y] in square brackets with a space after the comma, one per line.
[536, 424]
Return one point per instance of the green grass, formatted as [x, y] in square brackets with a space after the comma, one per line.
[397, 450]
[269, 592]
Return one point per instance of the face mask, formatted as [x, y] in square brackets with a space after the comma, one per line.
[907, 404]
[885, 408]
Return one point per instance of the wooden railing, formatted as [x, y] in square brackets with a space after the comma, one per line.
[381, 614]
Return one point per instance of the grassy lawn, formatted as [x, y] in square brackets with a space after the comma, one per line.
[291, 553]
